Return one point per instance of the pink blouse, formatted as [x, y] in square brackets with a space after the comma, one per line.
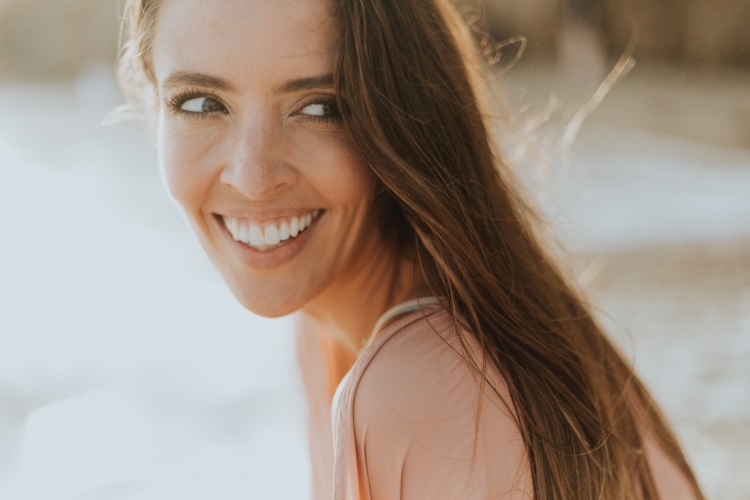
[403, 423]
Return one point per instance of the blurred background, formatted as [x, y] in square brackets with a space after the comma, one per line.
[127, 371]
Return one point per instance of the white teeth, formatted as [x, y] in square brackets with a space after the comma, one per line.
[256, 236]
[284, 231]
[271, 235]
[294, 227]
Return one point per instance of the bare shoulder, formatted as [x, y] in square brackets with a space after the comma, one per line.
[420, 411]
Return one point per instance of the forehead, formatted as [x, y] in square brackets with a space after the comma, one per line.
[243, 40]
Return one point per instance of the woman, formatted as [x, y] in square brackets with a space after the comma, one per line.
[334, 159]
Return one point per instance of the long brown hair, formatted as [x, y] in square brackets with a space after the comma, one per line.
[407, 80]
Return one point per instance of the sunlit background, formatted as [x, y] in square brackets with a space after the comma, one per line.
[127, 370]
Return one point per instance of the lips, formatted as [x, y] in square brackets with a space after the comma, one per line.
[268, 235]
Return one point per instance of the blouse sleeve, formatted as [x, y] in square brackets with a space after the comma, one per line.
[415, 425]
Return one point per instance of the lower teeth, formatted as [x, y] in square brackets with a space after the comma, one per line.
[265, 248]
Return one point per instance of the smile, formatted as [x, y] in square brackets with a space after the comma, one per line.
[267, 236]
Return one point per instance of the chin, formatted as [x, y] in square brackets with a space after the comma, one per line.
[264, 305]
[269, 312]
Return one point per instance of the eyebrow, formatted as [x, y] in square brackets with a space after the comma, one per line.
[288, 87]
[309, 83]
[188, 78]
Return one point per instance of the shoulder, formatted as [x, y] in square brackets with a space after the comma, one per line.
[420, 368]
[420, 414]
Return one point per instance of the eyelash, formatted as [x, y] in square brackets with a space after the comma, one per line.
[176, 102]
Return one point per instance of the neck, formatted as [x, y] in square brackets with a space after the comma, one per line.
[350, 307]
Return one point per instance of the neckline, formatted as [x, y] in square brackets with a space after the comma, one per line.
[398, 310]
[405, 309]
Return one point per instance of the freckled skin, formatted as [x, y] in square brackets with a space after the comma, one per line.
[264, 153]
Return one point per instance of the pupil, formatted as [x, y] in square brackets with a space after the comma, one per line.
[209, 106]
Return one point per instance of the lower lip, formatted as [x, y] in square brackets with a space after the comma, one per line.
[270, 259]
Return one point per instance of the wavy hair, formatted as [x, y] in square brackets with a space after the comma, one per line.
[408, 80]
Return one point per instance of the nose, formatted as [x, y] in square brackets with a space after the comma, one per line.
[258, 164]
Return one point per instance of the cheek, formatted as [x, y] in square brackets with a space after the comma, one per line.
[344, 175]
[186, 167]
[351, 188]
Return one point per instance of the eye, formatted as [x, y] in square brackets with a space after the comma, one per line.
[201, 105]
[324, 110]
[318, 109]
[196, 103]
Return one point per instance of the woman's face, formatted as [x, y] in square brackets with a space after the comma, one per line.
[253, 149]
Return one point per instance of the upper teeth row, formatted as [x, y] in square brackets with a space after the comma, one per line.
[270, 233]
